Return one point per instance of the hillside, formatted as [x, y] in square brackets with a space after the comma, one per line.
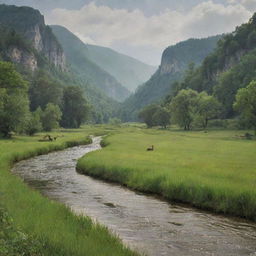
[77, 57]
[29, 23]
[28, 43]
[231, 66]
[175, 60]
[128, 71]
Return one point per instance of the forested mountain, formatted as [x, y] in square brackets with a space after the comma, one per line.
[175, 60]
[128, 71]
[83, 67]
[28, 43]
[231, 66]
[29, 23]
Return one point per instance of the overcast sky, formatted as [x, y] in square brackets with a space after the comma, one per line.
[143, 28]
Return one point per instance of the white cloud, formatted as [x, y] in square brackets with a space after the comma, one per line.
[248, 4]
[107, 26]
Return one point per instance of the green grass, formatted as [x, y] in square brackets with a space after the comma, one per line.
[34, 225]
[214, 170]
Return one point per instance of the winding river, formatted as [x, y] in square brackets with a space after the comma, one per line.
[145, 223]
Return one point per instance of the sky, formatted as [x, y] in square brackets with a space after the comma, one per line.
[143, 28]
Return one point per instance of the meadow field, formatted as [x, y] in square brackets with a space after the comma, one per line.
[214, 170]
[31, 224]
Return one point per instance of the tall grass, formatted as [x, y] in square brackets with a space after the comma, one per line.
[56, 230]
[214, 170]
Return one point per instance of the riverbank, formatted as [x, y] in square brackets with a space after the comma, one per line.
[213, 171]
[35, 225]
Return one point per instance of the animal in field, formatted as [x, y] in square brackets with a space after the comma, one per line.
[151, 148]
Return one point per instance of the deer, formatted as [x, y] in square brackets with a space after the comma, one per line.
[151, 148]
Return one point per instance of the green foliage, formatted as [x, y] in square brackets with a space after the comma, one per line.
[115, 121]
[183, 108]
[85, 69]
[161, 83]
[147, 115]
[34, 124]
[51, 117]
[10, 38]
[14, 100]
[74, 107]
[13, 242]
[230, 67]
[208, 108]
[162, 117]
[44, 90]
[155, 115]
[246, 103]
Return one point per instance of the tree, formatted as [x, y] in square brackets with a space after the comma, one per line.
[43, 91]
[246, 103]
[183, 108]
[147, 113]
[208, 108]
[75, 109]
[34, 123]
[51, 117]
[162, 117]
[14, 104]
[115, 121]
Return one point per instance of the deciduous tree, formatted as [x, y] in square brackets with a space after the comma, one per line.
[246, 103]
[14, 104]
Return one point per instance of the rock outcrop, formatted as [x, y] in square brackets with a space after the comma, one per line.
[20, 56]
[30, 24]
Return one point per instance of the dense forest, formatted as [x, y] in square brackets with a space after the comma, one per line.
[213, 90]
[43, 64]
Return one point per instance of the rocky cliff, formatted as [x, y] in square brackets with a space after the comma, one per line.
[175, 60]
[30, 24]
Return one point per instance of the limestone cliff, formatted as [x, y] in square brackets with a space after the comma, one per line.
[21, 56]
[30, 24]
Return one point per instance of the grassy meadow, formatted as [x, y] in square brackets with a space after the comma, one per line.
[31, 224]
[214, 170]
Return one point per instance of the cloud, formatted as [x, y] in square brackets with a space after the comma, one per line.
[248, 4]
[114, 27]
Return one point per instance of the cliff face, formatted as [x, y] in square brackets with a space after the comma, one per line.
[30, 24]
[175, 60]
[19, 56]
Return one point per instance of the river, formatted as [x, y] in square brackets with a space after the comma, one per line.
[145, 223]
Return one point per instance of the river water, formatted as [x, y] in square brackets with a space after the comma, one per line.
[145, 223]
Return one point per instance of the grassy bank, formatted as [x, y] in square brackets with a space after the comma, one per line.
[214, 170]
[33, 225]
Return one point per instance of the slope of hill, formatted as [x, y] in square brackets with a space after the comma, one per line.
[231, 66]
[77, 57]
[128, 71]
[175, 60]
[29, 23]
[28, 43]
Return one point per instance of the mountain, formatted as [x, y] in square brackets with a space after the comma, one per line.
[28, 43]
[128, 71]
[230, 67]
[175, 61]
[83, 67]
[29, 24]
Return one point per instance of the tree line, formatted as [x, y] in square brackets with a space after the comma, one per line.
[38, 105]
[192, 109]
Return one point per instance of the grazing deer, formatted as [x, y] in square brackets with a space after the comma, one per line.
[151, 148]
